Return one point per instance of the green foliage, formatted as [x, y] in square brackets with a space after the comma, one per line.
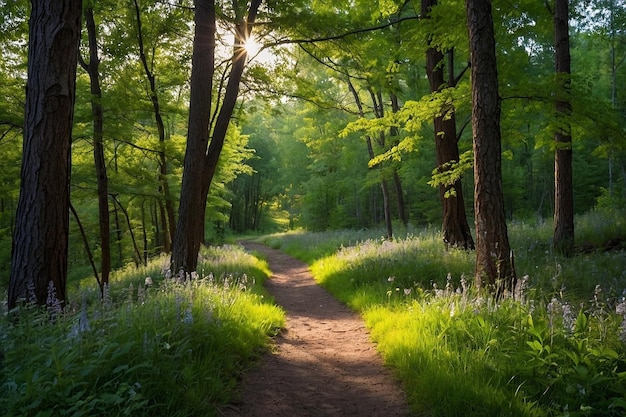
[452, 171]
[152, 345]
[374, 266]
[554, 347]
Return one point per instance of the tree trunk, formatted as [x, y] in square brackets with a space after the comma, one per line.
[395, 107]
[190, 227]
[370, 150]
[494, 266]
[397, 182]
[386, 208]
[92, 68]
[454, 227]
[40, 242]
[144, 233]
[86, 245]
[200, 164]
[136, 253]
[168, 219]
[563, 186]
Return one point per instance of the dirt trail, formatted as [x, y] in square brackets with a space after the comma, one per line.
[323, 363]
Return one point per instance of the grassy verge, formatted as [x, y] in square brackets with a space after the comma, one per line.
[153, 346]
[556, 349]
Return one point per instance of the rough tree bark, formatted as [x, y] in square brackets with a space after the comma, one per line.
[200, 164]
[494, 266]
[563, 242]
[454, 227]
[40, 241]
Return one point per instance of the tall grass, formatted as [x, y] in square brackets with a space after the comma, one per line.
[556, 349]
[310, 247]
[152, 346]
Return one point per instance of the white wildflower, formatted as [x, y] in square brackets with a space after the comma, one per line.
[52, 302]
[569, 318]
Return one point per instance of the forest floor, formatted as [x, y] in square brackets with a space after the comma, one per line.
[323, 363]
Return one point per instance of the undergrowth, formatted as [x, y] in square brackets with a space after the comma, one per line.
[158, 344]
[557, 347]
[153, 345]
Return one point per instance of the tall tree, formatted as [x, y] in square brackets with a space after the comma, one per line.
[563, 186]
[168, 219]
[494, 267]
[92, 68]
[204, 130]
[454, 227]
[39, 256]
[377, 106]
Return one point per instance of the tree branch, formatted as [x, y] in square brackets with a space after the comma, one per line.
[343, 35]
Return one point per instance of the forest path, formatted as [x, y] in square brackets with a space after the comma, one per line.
[323, 363]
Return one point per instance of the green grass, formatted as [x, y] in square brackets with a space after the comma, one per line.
[171, 348]
[310, 247]
[557, 349]
[178, 348]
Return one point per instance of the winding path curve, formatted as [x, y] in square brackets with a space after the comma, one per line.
[323, 363]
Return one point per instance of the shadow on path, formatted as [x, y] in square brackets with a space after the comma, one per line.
[323, 363]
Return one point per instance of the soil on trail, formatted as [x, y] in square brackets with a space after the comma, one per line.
[323, 363]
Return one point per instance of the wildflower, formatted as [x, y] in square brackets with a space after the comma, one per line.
[141, 294]
[148, 281]
[131, 291]
[464, 284]
[520, 288]
[30, 289]
[449, 287]
[438, 292]
[52, 302]
[188, 316]
[597, 292]
[622, 331]
[553, 308]
[106, 296]
[132, 391]
[179, 302]
[407, 291]
[569, 318]
[391, 279]
[621, 310]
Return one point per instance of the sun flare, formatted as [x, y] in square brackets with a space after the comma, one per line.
[252, 46]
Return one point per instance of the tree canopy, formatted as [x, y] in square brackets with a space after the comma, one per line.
[331, 124]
